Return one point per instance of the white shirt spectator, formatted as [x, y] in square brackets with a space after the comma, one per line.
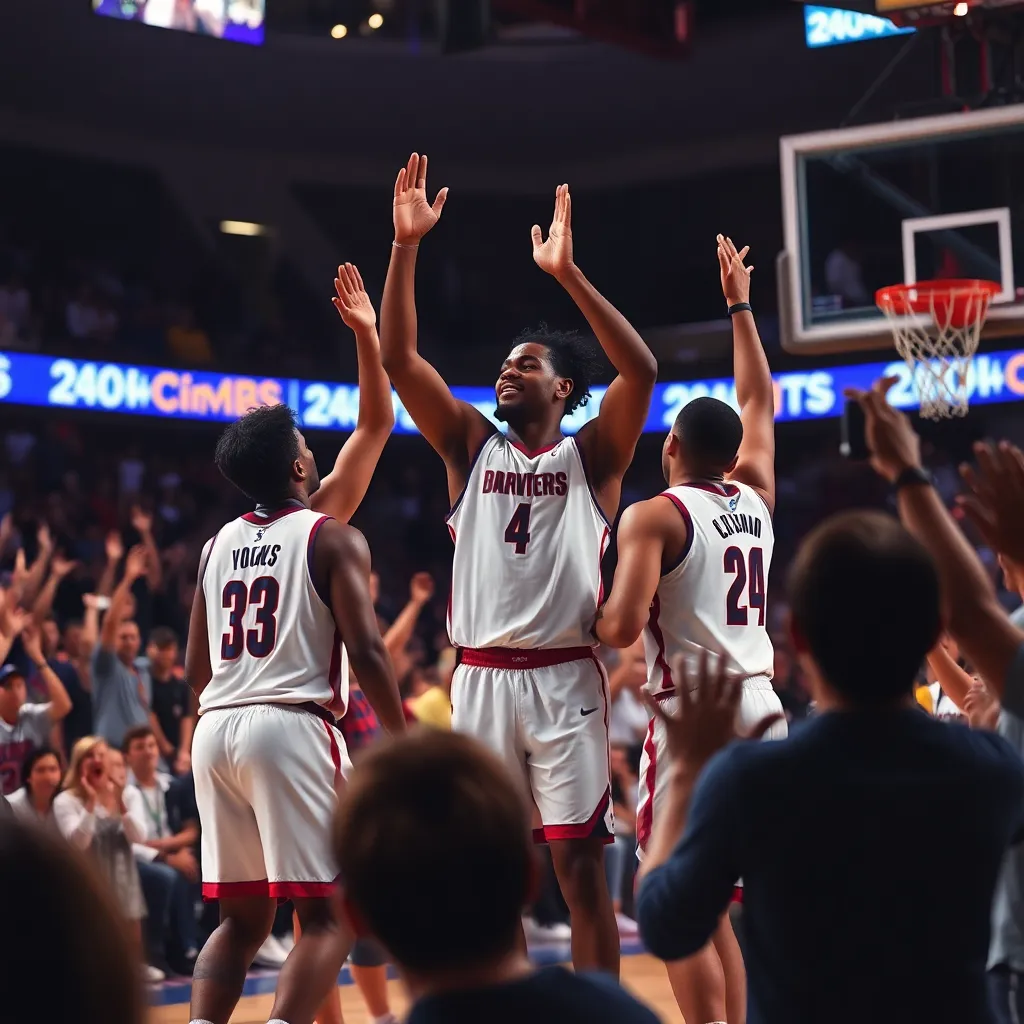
[154, 820]
[78, 825]
[23, 809]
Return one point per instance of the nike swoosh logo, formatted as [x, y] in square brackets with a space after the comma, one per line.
[584, 711]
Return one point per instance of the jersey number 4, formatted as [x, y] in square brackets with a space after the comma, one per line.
[263, 596]
[518, 530]
[736, 614]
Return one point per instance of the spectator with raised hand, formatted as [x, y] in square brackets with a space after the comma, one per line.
[24, 726]
[823, 870]
[142, 523]
[118, 694]
[170, 699]
[994, 502]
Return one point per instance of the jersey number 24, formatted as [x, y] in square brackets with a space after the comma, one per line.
[263, 596]
[749, 574]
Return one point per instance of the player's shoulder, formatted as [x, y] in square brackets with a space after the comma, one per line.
[336, 539]
[662, 516]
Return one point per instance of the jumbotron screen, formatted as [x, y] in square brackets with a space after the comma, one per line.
[237, 20]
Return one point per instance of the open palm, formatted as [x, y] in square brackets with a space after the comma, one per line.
[554, 254]
[414, 216]
[352, 302]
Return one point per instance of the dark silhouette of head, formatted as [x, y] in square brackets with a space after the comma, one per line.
[703, 441]
[865, 607]
[61, 924]
[265, 456]
[546, 371]
[433, 841]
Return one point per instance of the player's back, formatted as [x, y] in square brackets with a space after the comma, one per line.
[529, 537]
[714, 598]
[272, 636]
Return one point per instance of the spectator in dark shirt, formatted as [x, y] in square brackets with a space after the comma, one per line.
[843, 918]
[433, 841]
[170, 699]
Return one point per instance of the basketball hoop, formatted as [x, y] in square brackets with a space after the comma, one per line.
[936, 327]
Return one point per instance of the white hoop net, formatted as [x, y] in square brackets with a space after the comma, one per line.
[936, 327]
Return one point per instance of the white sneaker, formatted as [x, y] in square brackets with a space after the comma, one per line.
[545, 932]
[152, 975]
[627, 926]
[270, 954]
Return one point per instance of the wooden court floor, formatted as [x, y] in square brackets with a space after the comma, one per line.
[643, 975]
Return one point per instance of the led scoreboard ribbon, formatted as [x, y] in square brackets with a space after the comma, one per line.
[60, 383]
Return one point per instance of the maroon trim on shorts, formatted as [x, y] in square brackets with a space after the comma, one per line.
[235, 890]
[301, 890]
[332, 734]
[592, 828]
[517, 658]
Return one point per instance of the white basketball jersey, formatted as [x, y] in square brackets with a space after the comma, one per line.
[272, 638]
[529, 537]
[714, 599]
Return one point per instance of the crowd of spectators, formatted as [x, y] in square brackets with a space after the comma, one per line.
[100, 544]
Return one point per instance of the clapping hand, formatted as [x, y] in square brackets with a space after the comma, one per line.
[352, 302]
[709, 702]
[735, 276]
[61, 566]
[421, 588]
[890, 438]
[414, 216]
[995, 503]
[554, 255]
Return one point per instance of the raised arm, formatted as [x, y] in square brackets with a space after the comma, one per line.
[645, 531]
[952, 679]
[454, 429]
[342, 490]
[142, 521]
[342, 557]
[399, 633]
[755, 460]
[198, 668]
[59, 703]
[134, 567]
[975, 619]
[609, 440]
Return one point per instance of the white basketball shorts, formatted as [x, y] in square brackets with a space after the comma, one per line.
[267, 778]
[545, 714]
[758, 700]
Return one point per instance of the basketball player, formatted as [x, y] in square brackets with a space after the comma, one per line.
[693, 564]
[279, 589]
[530, 515]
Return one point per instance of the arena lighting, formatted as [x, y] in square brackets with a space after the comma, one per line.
[339, 31]
[375, 20]
[244, 227]
[960, 10]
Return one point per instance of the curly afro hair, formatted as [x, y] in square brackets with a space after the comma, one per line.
[572, 357]
[257, 451]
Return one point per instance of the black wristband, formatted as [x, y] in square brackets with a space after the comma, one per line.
[740, 307]
[910, 476]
